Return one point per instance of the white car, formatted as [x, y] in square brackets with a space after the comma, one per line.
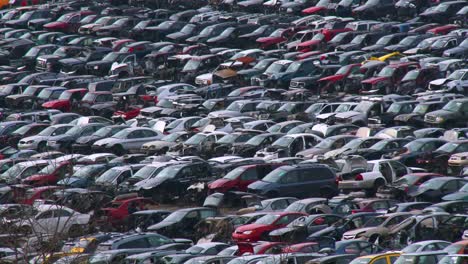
[55, 219]
[128, 140]
[379, 173]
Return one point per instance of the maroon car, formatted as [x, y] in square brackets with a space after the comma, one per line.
[50, 174]
[388, 78]
[278, 36]
[68, 23]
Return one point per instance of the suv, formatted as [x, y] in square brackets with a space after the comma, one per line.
[302, 180]
[454, 113]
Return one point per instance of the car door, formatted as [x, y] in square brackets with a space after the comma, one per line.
[289, 184]
[133, 140]
[44, 222]
[249, 176]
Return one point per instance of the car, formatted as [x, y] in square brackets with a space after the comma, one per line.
[262, 226]
[127, 140]
[285, 180]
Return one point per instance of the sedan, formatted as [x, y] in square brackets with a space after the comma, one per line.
[128, 140]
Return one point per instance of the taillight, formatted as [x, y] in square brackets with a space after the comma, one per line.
[131, 49]
[359, 177]
[338, 179]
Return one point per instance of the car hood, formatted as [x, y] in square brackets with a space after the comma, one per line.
[224, 113]
[357, 231]
[308, 43]
[110, 27]
[106, 141]
[440, 113]
[71, 61]
[249, 227]
[161, 225]
[59, 137]
[161, 144]
[69, 180]
[259, 185]
[219, 183]
[332, 78]
[98, 63]
[311, 152]
[282, 231]
[86, 139]
[33, 138]
[36, 177]
[325, 116]
[55, 24]
[313, 9]
[177, 35]
[268, 39]
[438, 81]
[374, 80]
[54, 103]
[248, 72]
[348, 114]
[456, 196]
[92, 25]
[454, 50]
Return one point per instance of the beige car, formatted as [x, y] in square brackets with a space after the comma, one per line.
[376, 227]
[456, 163]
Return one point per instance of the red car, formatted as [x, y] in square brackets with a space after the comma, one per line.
[66, 100]
[117, 211]
[68, 23]
[307, 247]
[388, 78]
[260, 229]
[319, 41]
[278, 36]
[260, 248]
[118, 44]
[132, 112]
[443, 30]
[335, 82]
[50, 174]
[239, 178]
[43, 192]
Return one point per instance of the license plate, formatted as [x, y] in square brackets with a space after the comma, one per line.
[264, 116]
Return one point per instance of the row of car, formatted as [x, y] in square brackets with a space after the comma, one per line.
[214, 132]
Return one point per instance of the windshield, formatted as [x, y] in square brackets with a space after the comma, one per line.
[456, 75]
[276, 68]
[361, 261]
[414, 145]
[275, 175]
[452, 106]
[206, 32]
[408, 179]
[201, 123]
[408, 40]
[448, 147]
[234, 174]
[228, 139]
[358, 39]
[227, 32]
[122, 134]
[440, 43]
[145, 172]
[339, 37]
[277, 33]
[363, 107]
[30, 90]
[395, 108]
[464, 44]
[433, 184]
[187, 29]
[267, 219]
[255, 141]
[121, 22]
[64, 18]
[267, 105]
[283, 142]
[174, 124]
[195, 139]
[411, 75]
[49, 168]
[384, 40]
[74, 131]
[421, 109]
[175, 216]
[313, 109]
[47, 132]
[13, 171]
[425, 43]
[113, 56]
[32, 52]
[379, 145]
[441, 8]
[109, 176]
[100, 258]
[262, 65]
[86, 171]
[386, 72]
[287, 107]
[376, 221]
[235, 106]
[293, 67]
[171, 137]
[325, 144]
[192, 65]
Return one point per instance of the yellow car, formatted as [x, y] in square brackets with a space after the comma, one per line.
[386, 57]
[384, 258]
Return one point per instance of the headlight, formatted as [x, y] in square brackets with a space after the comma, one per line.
[248, 232]
[439, 119]
[289, 10]
[30, 142]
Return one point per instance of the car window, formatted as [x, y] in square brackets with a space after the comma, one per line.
[61, 213]
[279, 205]
[249, 175]
[136, 243]
[290, 178]
[207, 213]
[156, 241]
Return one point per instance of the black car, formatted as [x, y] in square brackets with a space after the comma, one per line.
[159, 32]
[182, 222]
[407, 43]
[76, 65]
[433, 190]
[173, 181]
[254, 144]
[187, 31]
[442, 11]
[22, 21]
[12, 53]
[417, 149]
[102, 67]
[29, 59]
[374, 9]
[386, 40]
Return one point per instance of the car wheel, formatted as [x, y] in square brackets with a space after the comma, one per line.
[118, 150]
[41, 147]
[75, 231]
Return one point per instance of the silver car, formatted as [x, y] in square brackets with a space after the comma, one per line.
[128, 140]
[39, 141]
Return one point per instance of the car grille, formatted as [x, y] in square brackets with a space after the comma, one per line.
[430, 118]
[348, 237]
[297, 84]
[367, 86]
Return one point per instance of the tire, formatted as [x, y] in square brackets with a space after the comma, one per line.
[118, 150]
[42, 147]
[75, 231]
